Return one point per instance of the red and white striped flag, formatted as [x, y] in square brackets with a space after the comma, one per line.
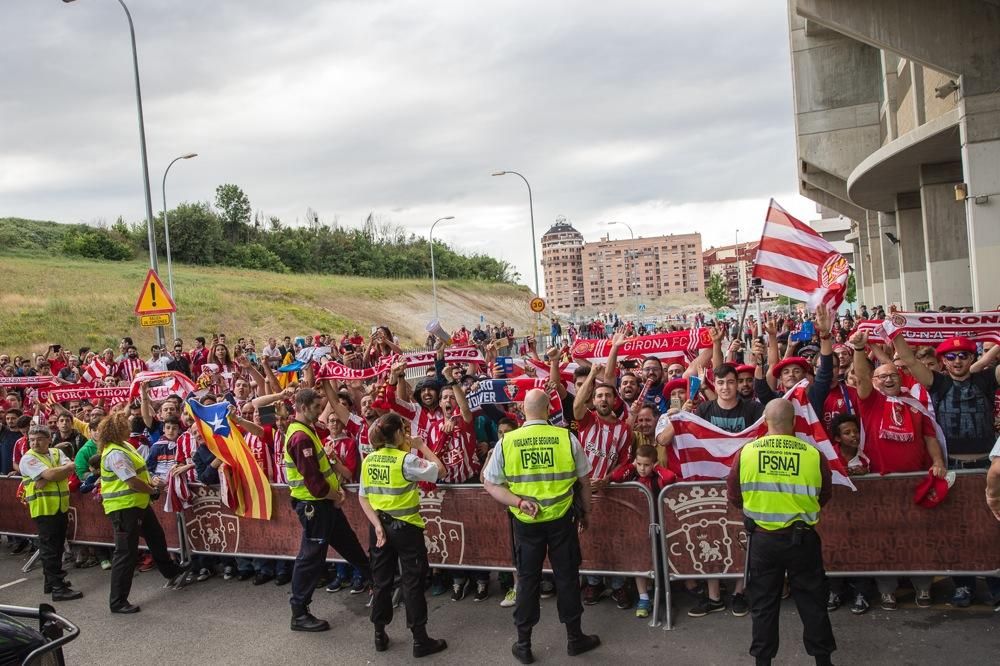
[178, 494]
[795, 261]
[95, 371]
[706, 451]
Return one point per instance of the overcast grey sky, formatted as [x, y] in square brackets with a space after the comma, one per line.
[671, 116]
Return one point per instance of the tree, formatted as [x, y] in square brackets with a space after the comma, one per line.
[851, 295]
[234, 210]
[716, 293]
[195, 234]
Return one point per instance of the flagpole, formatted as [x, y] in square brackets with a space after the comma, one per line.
[746, 304]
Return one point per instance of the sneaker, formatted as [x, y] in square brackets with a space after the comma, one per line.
[591, 595]
[509, 599]
[548, 589]
[706, 606]
[105, 564]
[833, 602]
[860, 605]
[228, 572]
[282, 579]
[482, 590]
[336, 585]
[643, 607]
[89, 562]
[621, 598]
[146, 563]
[358, 585]
[924, 599]
[739, 605]
[204, 574]
[437, 585]
[962, 597]
[888, 602]
[458, 590]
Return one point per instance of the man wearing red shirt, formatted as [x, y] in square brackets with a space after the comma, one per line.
[605, 440]
[899, 437]
[127, 368]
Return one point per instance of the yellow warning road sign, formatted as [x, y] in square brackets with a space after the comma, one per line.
[155, 320]
[154, 299]
[537, 305]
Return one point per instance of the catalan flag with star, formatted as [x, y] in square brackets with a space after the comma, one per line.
[249, 488]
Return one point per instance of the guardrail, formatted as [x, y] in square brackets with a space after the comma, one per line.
[877, 530]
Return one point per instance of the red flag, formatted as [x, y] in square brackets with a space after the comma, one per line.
[707, 452]
[95, 371]
[796, 261]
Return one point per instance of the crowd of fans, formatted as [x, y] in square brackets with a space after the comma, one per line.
[619, 411]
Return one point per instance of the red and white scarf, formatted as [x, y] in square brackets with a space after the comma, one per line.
[111, 394]
[933, 328]
[339, 371]
[672, 346]
[39, 380]
[95, 371]
[163, 385]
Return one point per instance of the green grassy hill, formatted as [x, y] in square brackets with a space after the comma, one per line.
[47, 299]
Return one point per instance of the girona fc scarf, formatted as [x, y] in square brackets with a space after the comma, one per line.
[113, 394]
[334, 370]
[15, 382]
[933, 328]
[161, 385]
[661, 345]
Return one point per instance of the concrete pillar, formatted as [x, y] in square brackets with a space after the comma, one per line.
[875, 253]
[866, 295]
[980, 135]
[912, 260]
[890, 260]
[946, 239]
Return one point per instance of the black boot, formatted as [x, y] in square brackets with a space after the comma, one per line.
[381, 638]
[578, 642]
[823, 660]
[522, 648]
[303, 620]
[66, 594]
[424, 645]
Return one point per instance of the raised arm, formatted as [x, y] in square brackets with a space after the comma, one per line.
[146, 405]
[862, 368]
[586, 392]
[920, 372]
[610, 372]
[456, 387]
[343, 414]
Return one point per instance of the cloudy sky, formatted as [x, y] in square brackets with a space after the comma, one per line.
[673, 117]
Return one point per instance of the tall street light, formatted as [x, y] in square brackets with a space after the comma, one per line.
[635, 264]
[534, 251]
[739, 273]
[434, 287]
[142, 151]
[166, 235]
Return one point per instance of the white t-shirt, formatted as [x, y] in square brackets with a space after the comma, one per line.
[32, 467]
[157, 365]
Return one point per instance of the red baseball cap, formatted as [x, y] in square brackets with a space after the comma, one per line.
[742, 369]
[674, 384]
[933, 490]
[956, 344]
[791, 360]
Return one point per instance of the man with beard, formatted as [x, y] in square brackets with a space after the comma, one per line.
[963, 405]
[744, 382]
[423, 413]
[789, 371]
[605, 440]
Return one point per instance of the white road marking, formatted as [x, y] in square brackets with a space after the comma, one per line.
[12, 583]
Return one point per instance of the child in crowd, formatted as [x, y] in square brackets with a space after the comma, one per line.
[162, 456]
[645, 470]
[93, 480]
[846, 431]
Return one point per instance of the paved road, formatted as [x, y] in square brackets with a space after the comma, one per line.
[229, 622]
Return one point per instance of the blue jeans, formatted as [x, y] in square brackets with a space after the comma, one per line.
[617, 582]
[271, 567]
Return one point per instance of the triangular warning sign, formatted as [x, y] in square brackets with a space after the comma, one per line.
[154, 298]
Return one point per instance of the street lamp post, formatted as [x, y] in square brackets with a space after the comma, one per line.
[635, 264]
[160, 340]
[434, 287]
[166, 235]
[739, 277]
[534, 251]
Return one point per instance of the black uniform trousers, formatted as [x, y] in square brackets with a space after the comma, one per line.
[129, 525]
[323, 526]
[771, 556]
[560, 540]
[51, 542]
[404, 547]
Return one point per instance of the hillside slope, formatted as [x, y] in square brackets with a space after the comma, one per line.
[77, 302]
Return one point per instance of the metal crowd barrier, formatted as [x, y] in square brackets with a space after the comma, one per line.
[877, 530]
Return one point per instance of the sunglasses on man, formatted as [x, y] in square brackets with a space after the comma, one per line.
[957, 356]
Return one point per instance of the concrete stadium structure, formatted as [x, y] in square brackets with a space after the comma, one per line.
[897, 117]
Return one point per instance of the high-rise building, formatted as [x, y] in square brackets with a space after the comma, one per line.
[562, 265]
[615, 273]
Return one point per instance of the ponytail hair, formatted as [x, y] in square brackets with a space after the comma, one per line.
[384, 430]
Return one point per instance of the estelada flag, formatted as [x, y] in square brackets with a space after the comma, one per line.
[796, 261]
[250, 488]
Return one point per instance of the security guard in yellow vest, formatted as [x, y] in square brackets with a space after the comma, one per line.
[125, 490]
[316, 498]
[45, 472]
[781, 482]
[535, 470]
[391, 501]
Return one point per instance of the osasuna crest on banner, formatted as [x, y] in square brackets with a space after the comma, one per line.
[210, 527]
[705, 539]
[445, 539]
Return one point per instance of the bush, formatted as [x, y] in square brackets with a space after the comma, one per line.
[255, 257]
[96, 244]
